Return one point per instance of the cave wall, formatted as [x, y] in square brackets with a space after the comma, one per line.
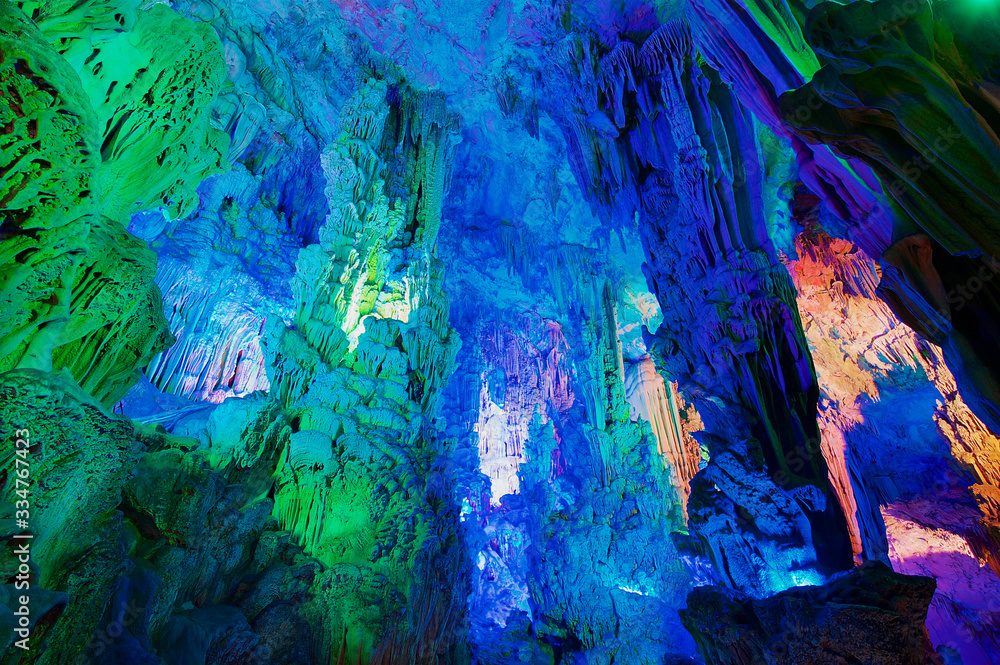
[502, 333]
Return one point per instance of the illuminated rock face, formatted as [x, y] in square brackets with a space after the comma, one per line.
[906, 453]
[937, 152]
[927, 128]
[78, 288]
[659, 404]
[501, 333]
[579, 488]
[361, 371]
[680, 152]
[759, 48]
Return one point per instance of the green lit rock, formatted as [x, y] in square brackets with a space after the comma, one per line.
[116, 322]
[48, 202]
[81, 457]
[106, 120]
[151, 77]
[360, 377]
[153, 88]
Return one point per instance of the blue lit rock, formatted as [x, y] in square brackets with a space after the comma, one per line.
[493, 332]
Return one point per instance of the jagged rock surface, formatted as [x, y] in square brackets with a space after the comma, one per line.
[870, 615]
[426, 403]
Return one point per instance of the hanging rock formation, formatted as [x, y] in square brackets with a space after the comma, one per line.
[79, 305]
[927, 85]
[744, 364]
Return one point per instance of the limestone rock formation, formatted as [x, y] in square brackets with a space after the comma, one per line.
[919, 77]
[870, 615]
[123, 138]
[499, 332]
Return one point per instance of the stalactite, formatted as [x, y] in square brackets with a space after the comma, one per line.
[747, 362]
[761, 51]
[659, 404]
